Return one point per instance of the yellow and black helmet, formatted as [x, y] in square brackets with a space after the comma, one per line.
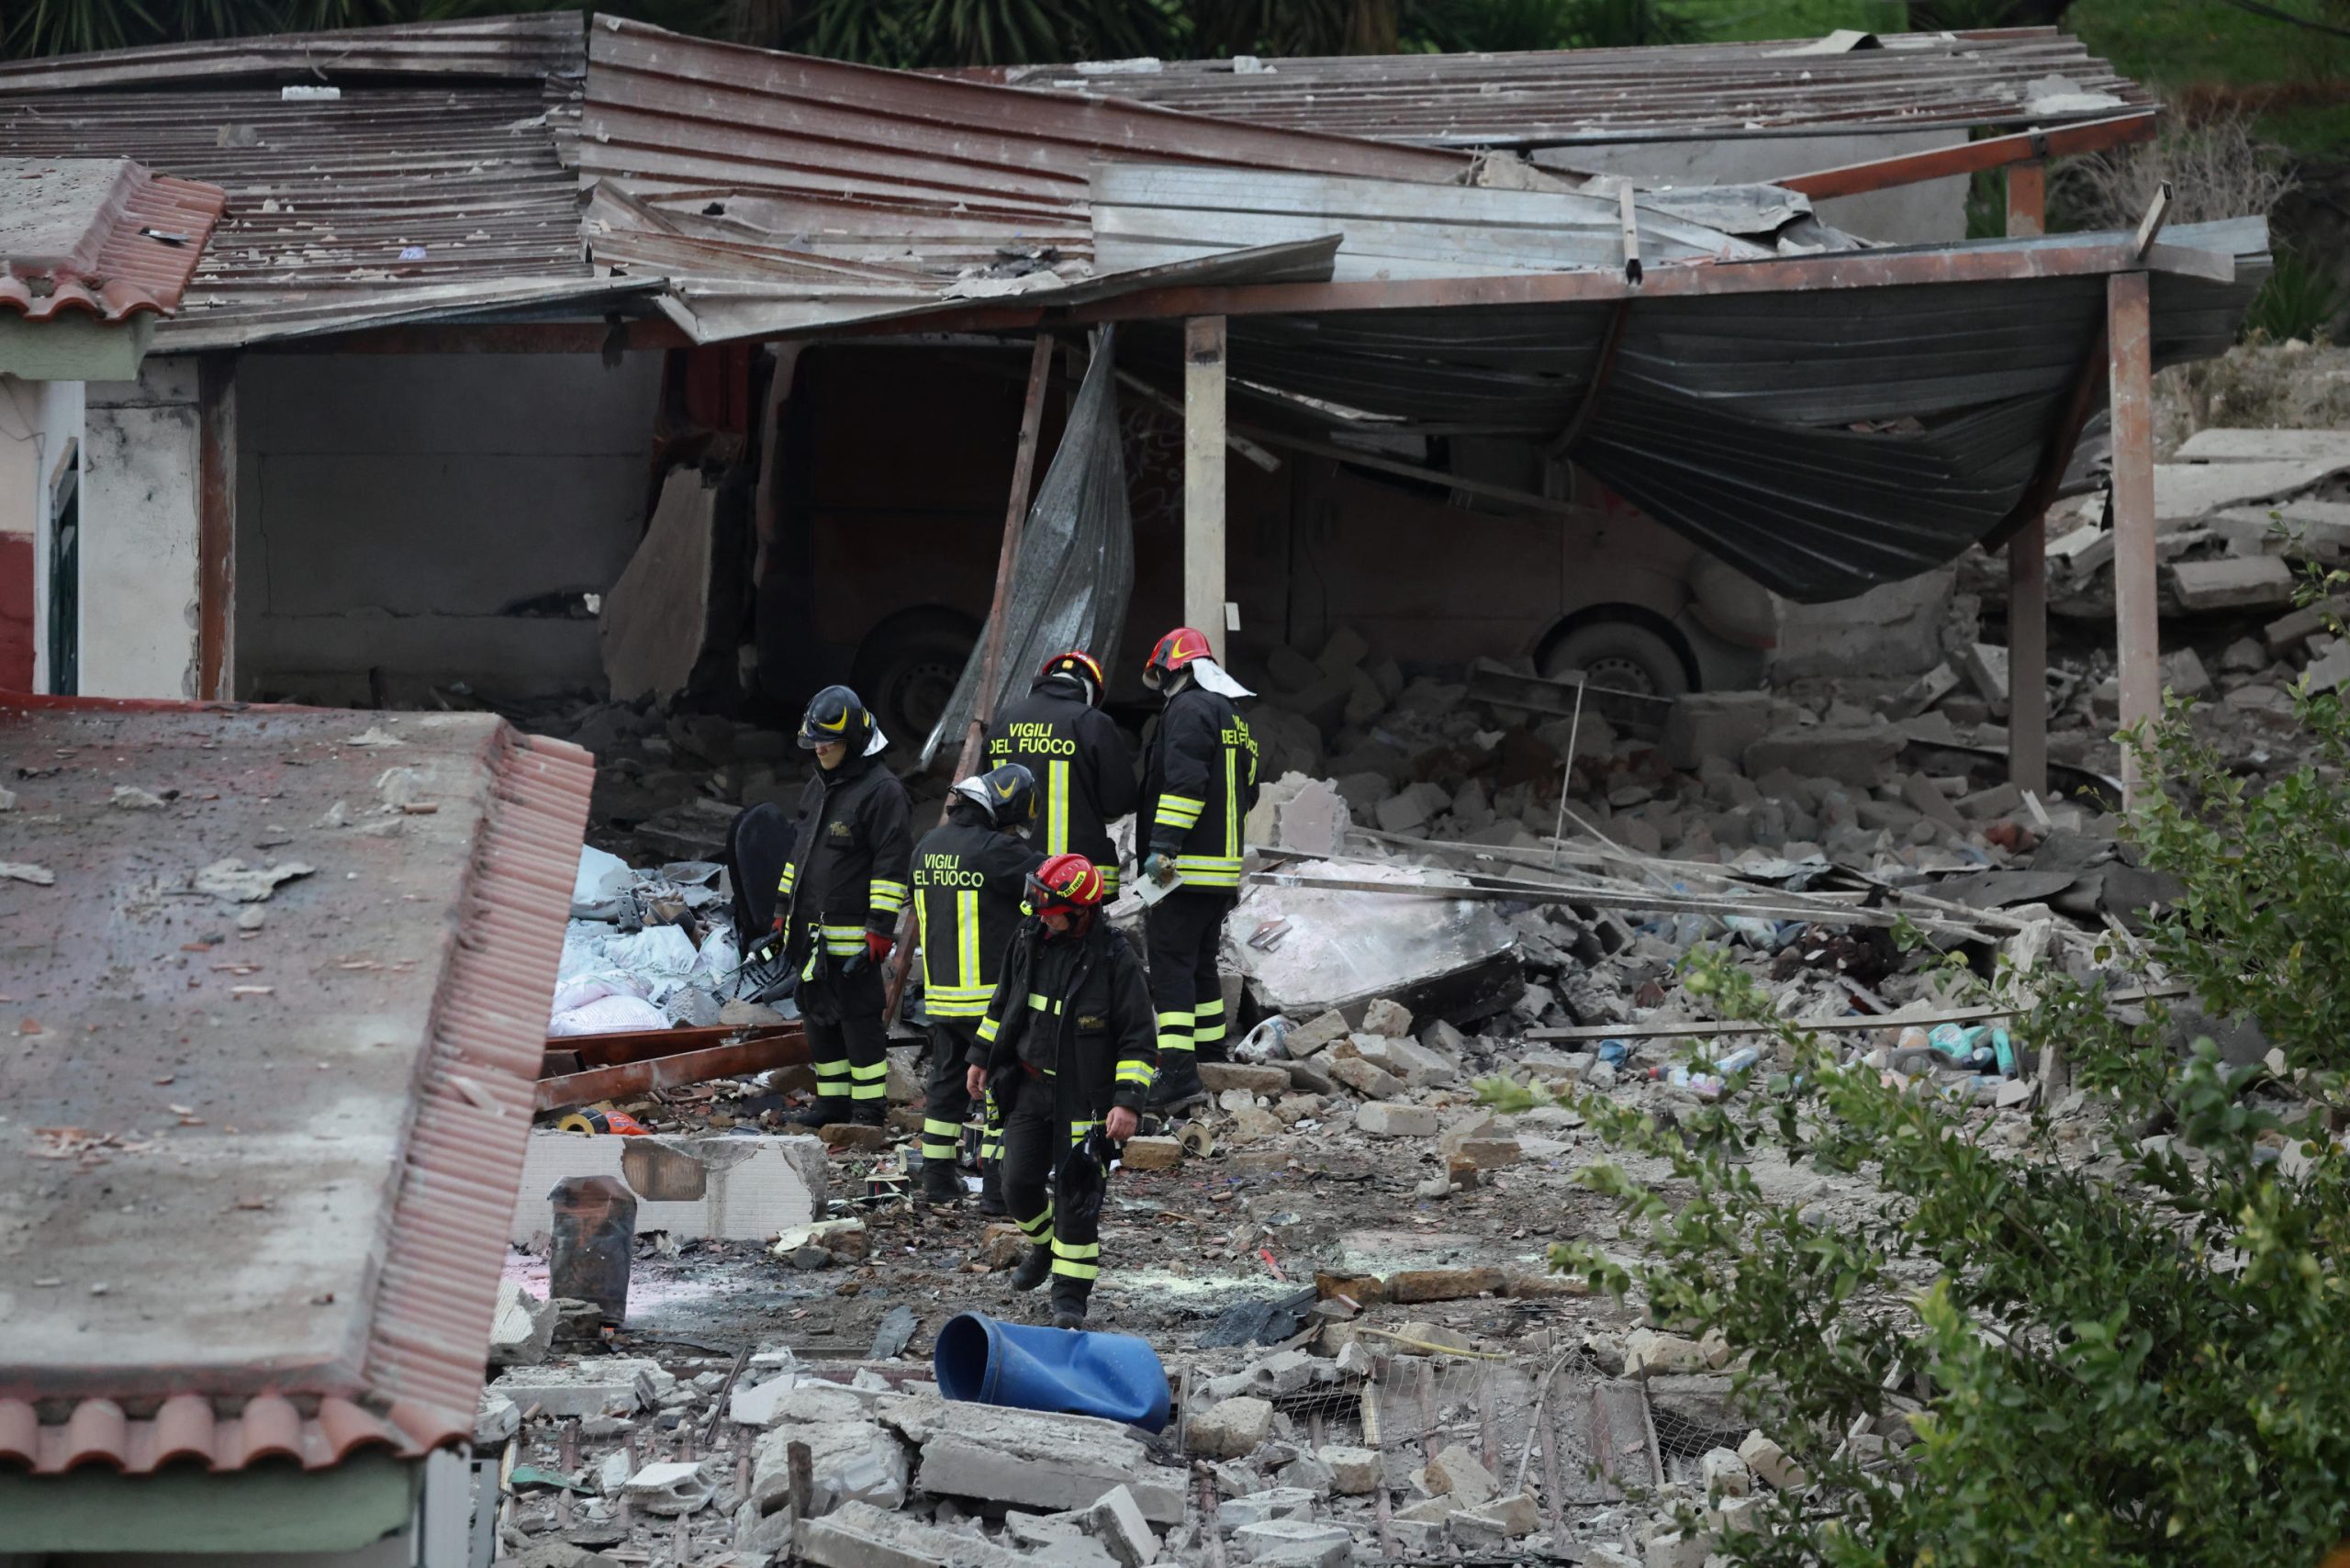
[1008, 795]
[836, 716]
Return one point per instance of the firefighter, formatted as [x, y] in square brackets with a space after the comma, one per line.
[970, 878]
[1199, 781]
[1067, 1052]
[838, 903]
[1084, 773]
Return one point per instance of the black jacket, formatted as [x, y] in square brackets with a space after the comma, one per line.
[970, 880]
[1085, 775]
[847, 872]
[1076, 1007]
[1199, 781]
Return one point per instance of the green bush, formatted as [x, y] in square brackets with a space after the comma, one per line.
[2129, 1350]
[2302, 298]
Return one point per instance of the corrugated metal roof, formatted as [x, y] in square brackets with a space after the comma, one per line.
[523, 48]
[98, 236]
[855, 162]
[264, 1179]
[455, 181]
[2008, 77]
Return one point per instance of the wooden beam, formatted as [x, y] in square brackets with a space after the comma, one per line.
[1203, 443]
[2128, 333]
[216, 526]
[2027, 200]
[674, 1071]
[1973, 157]
[2028, 656]
[2028, 557]
[512, 337]
[1789, 274]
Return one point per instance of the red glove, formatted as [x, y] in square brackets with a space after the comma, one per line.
[877, 945]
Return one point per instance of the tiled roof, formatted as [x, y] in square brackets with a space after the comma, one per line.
[264, 1178]
[99, 236]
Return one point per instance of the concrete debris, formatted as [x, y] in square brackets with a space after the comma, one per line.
[1770, 1461]
[130, 798]
[523, 1328]
[1232, 1429]
[744, 1189]
[1295, 1543]
[587, 1388]
[231, 880]
[1034, 1461]
[1117, 1523]
[24, 871]
[863, 1536]
[671, 1488]
[850, 1459]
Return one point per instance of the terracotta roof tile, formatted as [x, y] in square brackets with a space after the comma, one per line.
[141, 237]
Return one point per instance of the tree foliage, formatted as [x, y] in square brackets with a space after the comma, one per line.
[922, 33]
[2128, 1354]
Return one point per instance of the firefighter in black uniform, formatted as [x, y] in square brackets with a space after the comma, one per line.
[970, 878]
[1199, 781]
[838, 903]
[1067, 1052]
[1085, 775]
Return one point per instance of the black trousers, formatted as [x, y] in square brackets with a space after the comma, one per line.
[846, 1039]
[946, 1101]
[1181, 934]
[1038, 1133]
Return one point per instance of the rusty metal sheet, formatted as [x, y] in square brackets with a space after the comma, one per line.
[1991, 78]
[523, 48]
[438, 178]
[265, 1172]
[674, 1070]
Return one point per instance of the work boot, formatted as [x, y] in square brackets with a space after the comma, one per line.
[869, 1113]
[1031, 1270]
[941, 1184]
[821, 1112]
[991, 1190]
[1178, 1087]
[1068, 1309]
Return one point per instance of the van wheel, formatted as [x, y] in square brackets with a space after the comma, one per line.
[1619, 655]
[906, 670]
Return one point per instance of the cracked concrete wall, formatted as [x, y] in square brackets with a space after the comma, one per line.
[137, 538]
[394, 510]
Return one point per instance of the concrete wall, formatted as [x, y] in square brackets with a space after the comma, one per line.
[392, 510]
[1906, 215]
[139, 534]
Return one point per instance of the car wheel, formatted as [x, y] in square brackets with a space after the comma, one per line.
[906, 672]
[1619, 655]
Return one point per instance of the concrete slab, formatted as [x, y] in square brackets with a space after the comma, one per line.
[2184, 492]
[590, 1388]
[2267, 446]
[1031, 1460]
[732, 1188]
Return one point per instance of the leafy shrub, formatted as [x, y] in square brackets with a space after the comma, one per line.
[2135, 1357]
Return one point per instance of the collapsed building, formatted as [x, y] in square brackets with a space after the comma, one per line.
[635, 386]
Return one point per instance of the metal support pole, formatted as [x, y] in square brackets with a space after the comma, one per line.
[1204, 442]
[2028, 559]
[216, 527]
[2128, 334]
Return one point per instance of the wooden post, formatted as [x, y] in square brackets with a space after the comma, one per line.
[1203, 434]
[1015, 517]
[2027, 200]
[2027, 560]
[216, 526]
[2129, 339]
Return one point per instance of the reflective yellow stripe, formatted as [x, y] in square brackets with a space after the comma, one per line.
[785, 885]
[832, 1069]
[1134, 1073]
[1109, 880]
[1040, 1228]
[886, 896]
[1209, 870]
[1080, 1251]
[1069, 1270]
[1178, 810]
[988, 1027]
[1057, 808]
[1042, 1003]
[1182, 1017]
[1231, 801]
[967, 940]
[942, 1129]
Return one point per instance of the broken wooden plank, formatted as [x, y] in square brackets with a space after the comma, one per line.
[782, 1050]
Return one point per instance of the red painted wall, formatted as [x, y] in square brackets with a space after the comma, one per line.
[17, 628]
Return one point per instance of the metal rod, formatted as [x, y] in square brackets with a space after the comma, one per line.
[1973, 157]
[2136, 612]
[1566, 777]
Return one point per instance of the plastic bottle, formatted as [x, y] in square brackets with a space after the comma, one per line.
[1962, 1046]
[1612, 1052]
[1739, 1060]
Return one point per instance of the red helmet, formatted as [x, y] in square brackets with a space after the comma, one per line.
[1174, 651]
[1069, 883]
[1083, 666]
